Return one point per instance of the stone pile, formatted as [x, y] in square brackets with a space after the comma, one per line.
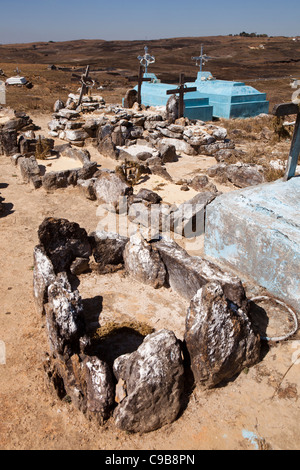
[9, 133]
[144, 389]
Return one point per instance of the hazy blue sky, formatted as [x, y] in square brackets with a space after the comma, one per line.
[60, 20]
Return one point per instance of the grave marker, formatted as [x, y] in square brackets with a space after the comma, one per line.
[181, 90]
[141, 79]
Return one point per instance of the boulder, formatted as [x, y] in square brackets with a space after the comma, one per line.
[219, 337]
[43, 277]
[143, 262]
[241, 175]
[8, 142]
[76, 154]
[64, 318]
[110, 189]
[201, 183]
[130, 98]
[189, 218]
[181, 146]
[108, 248]
[149, 196]
[58, 105]
[167, 152]
[154, 380]
[30, 171]
[63, 242]
[76, 135]
[187, 274]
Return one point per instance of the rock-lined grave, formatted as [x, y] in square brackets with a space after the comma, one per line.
[142, 387]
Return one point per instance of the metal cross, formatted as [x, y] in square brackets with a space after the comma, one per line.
[146, 59]
[286, 110]
[201, 59]
[141, 79]
[181, 90]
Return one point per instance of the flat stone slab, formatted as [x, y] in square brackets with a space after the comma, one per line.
[256, 231]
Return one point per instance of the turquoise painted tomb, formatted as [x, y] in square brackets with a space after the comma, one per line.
[230, 99]
[154, 93]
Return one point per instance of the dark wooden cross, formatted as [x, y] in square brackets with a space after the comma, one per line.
[181, 90]
[141, 79]
[287, 110]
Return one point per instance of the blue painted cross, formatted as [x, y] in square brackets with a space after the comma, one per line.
[286, 110]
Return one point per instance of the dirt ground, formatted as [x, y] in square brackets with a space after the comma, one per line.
[259, 409]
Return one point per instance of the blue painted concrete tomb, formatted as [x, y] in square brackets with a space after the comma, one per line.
[230, 99]
[256, 231]
[154, 94]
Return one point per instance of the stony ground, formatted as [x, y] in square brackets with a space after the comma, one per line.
[259, 409]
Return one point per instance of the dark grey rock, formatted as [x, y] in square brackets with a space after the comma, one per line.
[187, 274]
[219, 337]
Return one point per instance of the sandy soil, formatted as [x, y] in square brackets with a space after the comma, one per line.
[258, 409]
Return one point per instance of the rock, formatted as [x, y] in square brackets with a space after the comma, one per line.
[219, 337]
[86, 380]
[30, 171]
[100, 390]
[240, 175]
[107, 148]
[244, 176]
[187, 274]
[43, 277]
[149, 196]
[88, 171]
[167, 152]
[8, 142]
[108, 248]
[80, 266]
[161, 171]
[15, 158]
[67, 113]
[143, 263]
[88, 188]
[58, 105]
[172, 107]
[181, 146]
[64, 318]
[188, 219]
[81, 155]
[201, 183]
[59, 179]
[110, 190]
[154, 378]
[130, 98]
[63, 242]
[76, 135]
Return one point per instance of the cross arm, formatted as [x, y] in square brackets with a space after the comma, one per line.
[186, 90]
[286, 109]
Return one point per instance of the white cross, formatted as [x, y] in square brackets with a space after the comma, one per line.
[146, 59]
[201, 59]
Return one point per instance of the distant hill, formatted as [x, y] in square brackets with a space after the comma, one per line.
[233, 57]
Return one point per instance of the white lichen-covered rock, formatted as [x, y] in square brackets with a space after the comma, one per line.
[153, 377]
[144, 263]
[64, 317]
[110, 190]
[219, 337]
[43, 277]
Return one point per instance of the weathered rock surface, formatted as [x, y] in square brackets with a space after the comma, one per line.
[108, 248]
[143, 263]
[154, 378]
[63, 242]
[43, 277]
[30, 171]
[110, 188]
[187, 274]
[241, 175]
[8, 142]
[64, 318]
[219, 337]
